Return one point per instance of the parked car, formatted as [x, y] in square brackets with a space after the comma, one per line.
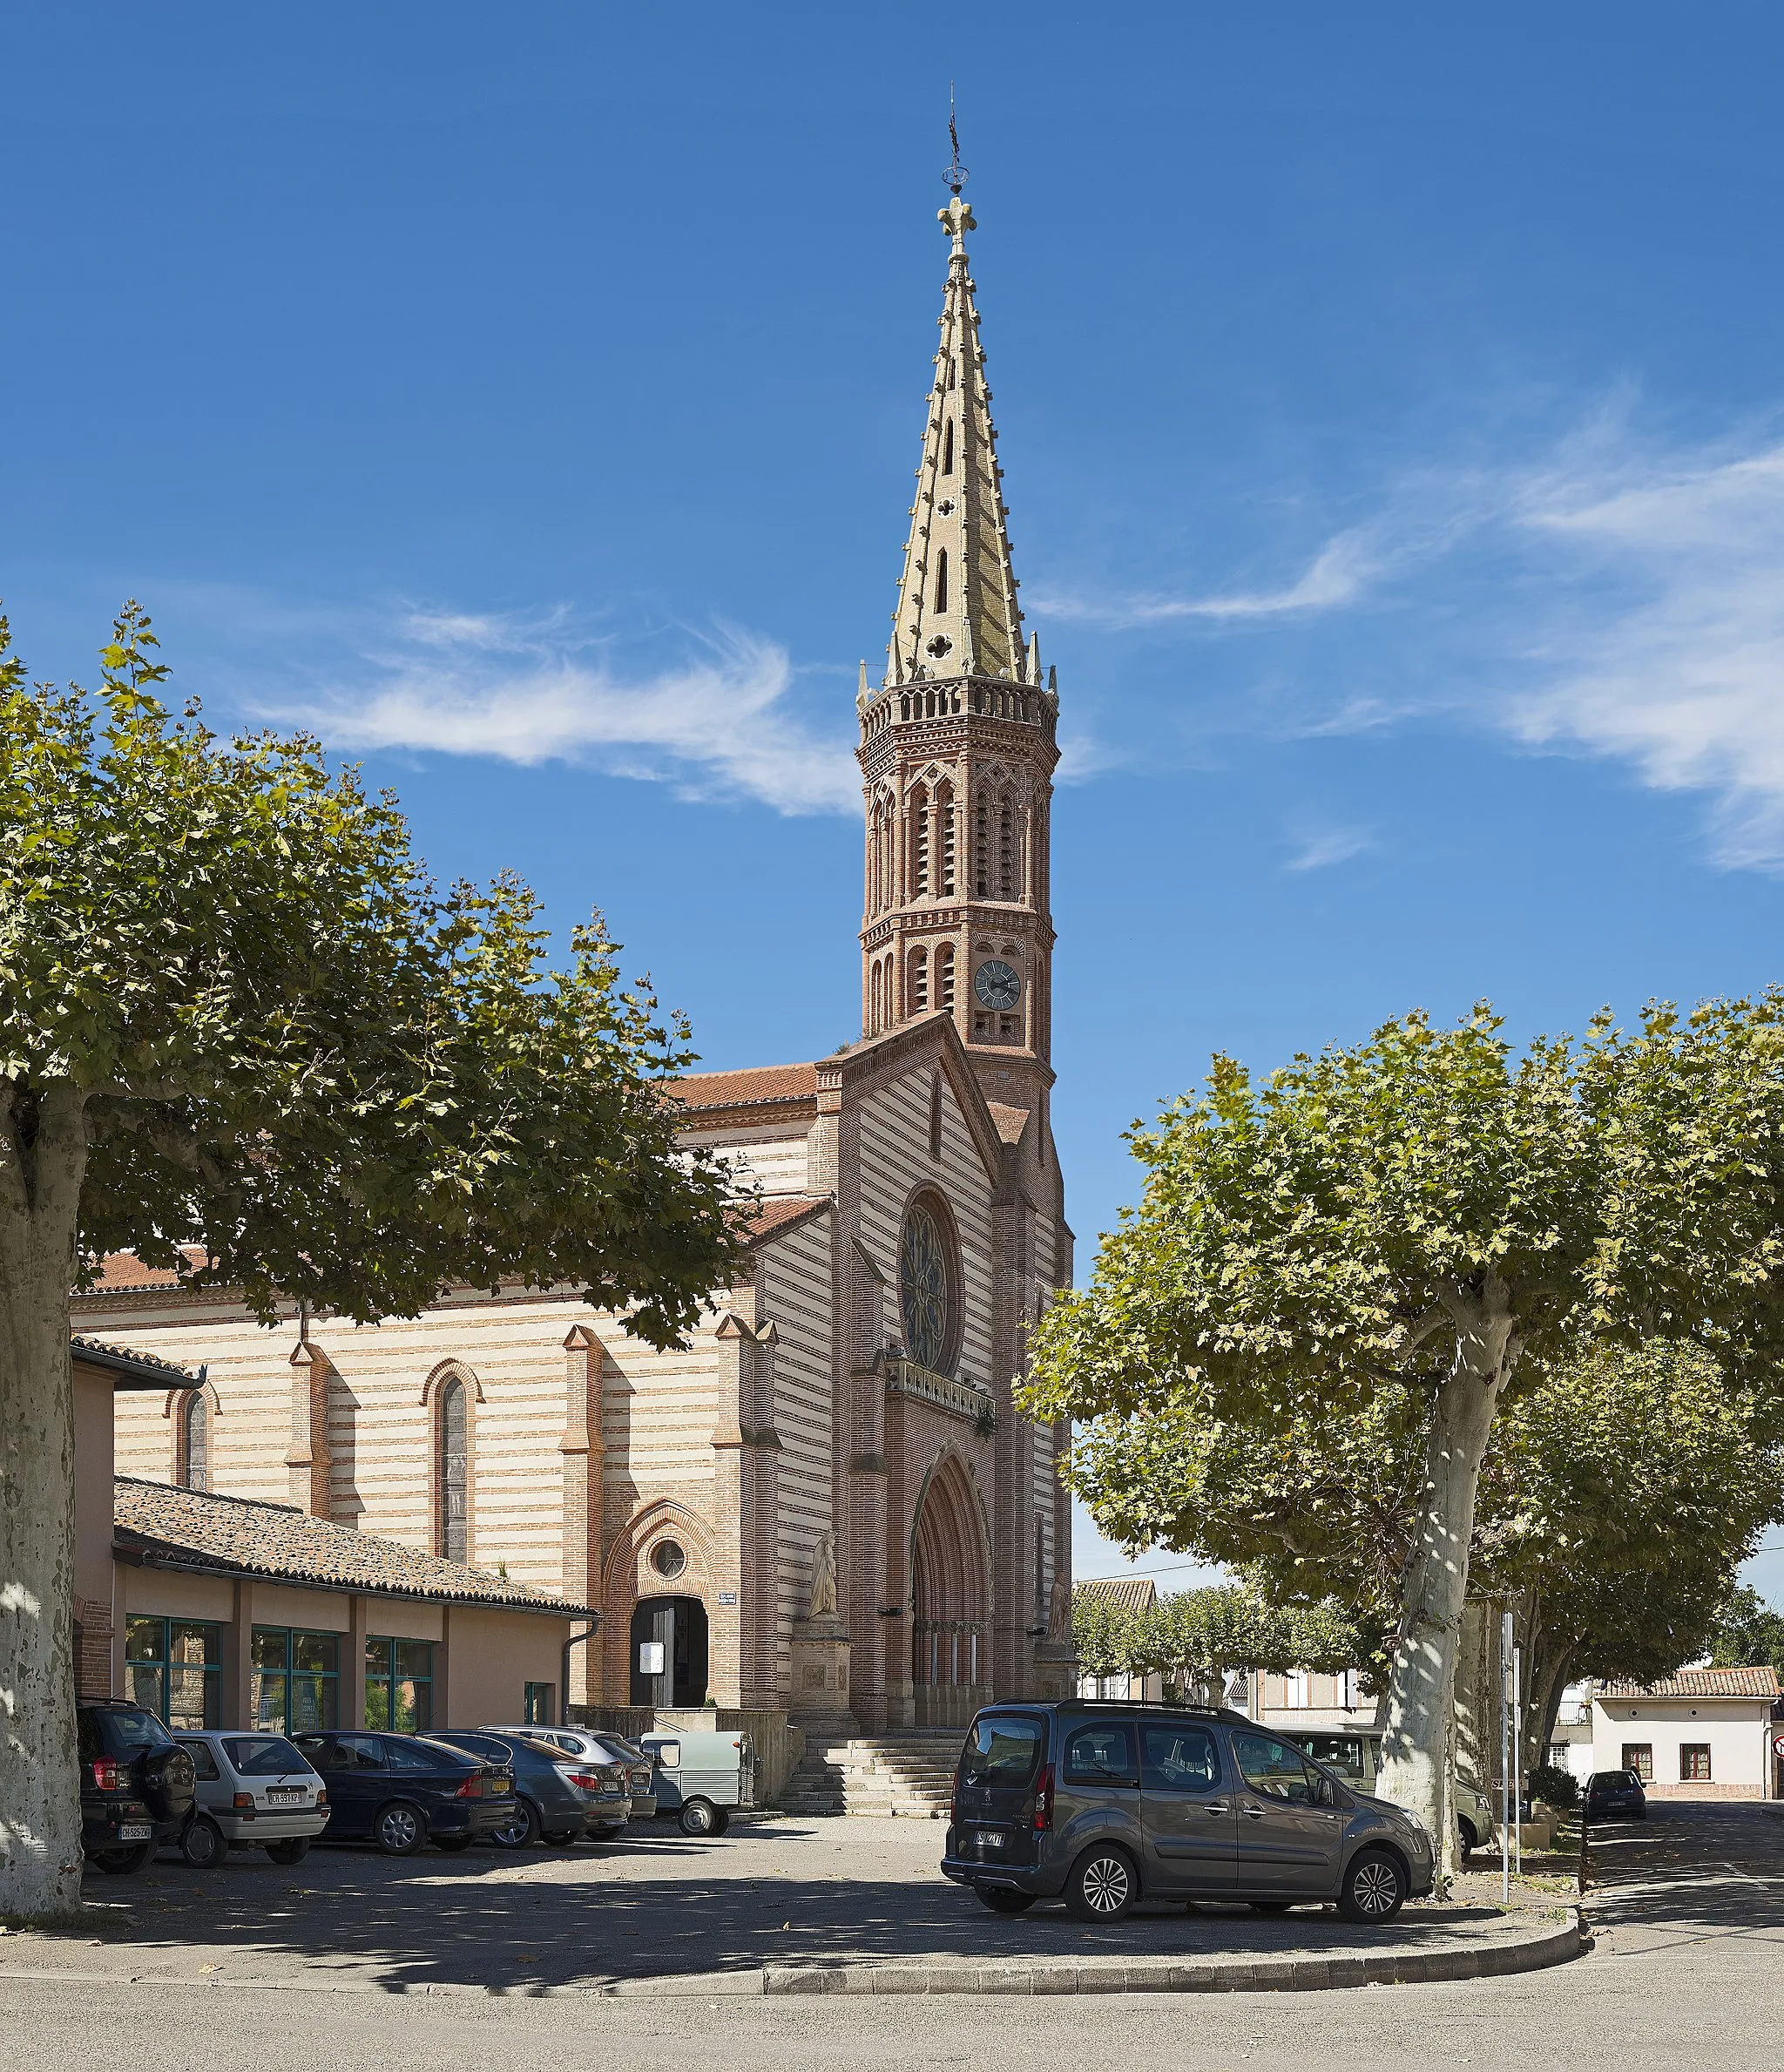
[136, 1784]
[1105, 1804]
[254, 1791]
[701, 1776]
[1356, 1753]
[401, 1790]
[557, 1796]
[600, 1746]
[1611, 1793]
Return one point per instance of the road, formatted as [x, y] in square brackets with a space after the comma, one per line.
[1688, 1910]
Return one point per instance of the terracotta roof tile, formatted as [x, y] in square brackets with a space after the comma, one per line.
[702, 1090]
[776, 1212]
[1761, 1683]
[1136, 1592]
[120, 1270]
[148, 1370]
[236, 1535]
[1011, 1122]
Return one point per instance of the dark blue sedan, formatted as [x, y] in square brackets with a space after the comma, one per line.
[401, 1790]
[1615, 1795]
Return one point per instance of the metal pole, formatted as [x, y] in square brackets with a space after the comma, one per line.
[1518, 1753]
[1506, 1759]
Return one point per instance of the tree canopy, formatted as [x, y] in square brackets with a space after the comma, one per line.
[1189, 1636]
[1747, 1631]
[244, 1035]
[1391, 1239]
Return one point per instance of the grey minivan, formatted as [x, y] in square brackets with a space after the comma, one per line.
[1106, 1803]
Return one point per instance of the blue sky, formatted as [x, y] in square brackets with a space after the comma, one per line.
[1392, 403]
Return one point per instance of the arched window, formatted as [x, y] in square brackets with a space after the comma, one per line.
[944, 977]
[942, 581]
[944, 815]
[947, 447]
[452, 1470]
[876, 1002]
[981, 847]
[928, 1281]
[920, 840]
[935, 1115]
[195, 1441]
[1006, 849]
[919, 1000]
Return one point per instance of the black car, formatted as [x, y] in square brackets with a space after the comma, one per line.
[1614, 1793]
[401, 1790]
[136, 1785]
[1102, 1804]
[557, 1796]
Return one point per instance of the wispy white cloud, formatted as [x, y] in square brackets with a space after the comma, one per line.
[1334, 845]
[1616, 594]
[527, 690]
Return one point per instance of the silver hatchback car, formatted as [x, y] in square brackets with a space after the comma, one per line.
[254, 1791]
[1102, 1804]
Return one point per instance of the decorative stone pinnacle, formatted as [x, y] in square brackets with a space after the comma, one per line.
[957, 220]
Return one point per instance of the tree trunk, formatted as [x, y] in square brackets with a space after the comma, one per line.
[42, 1156]
[1420, 1690]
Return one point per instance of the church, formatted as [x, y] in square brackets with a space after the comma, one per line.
[828, 1506]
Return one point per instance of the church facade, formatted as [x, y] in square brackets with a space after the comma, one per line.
[830, 1505]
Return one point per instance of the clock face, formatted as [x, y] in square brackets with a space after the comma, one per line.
[996, 985]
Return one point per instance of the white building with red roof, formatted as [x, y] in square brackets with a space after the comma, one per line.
[1699, 1734]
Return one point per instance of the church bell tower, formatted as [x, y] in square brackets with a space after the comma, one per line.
[957, 748]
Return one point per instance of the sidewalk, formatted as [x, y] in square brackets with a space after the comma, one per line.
[777, 1906]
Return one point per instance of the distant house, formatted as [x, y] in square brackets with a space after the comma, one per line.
[1136, 1594]
[1699, 1734]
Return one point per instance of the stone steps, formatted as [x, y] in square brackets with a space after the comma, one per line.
[905, 1776]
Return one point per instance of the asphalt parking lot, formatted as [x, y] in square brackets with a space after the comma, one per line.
[656, 1903]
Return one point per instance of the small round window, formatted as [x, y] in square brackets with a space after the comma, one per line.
[668, 1558]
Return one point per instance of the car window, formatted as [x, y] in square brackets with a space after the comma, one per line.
[416, 1758]
[1342, 1752]
[1177, 1758]
[1275, 1769]
[263, 1755]
[490, 1747]
[204, 1764]
[1003, 1753]
[668, 1754]
[1101, 1755]
[129, 1732]
[357, 1751]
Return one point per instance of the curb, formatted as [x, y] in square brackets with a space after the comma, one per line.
[1033, 1976]
[1187, 1974]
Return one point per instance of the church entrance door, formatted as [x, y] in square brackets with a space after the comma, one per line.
[950, 1631]
[669, 1652]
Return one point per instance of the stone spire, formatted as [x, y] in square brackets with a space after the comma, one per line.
[958, 613]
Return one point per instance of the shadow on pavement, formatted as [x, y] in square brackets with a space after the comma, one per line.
[651, 1906]
[1691, 1869]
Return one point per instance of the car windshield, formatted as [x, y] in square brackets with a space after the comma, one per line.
[263, 1755]
[1001, 1752]
[129, 1732]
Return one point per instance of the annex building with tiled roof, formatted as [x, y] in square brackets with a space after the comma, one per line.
[830, 1505]
[1700, 1733]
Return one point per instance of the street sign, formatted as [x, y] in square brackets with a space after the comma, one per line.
[1778, 1744]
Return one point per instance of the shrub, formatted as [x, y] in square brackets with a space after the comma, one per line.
[1554, 1786]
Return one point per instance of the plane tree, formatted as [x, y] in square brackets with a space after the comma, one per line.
[243, 1035]
[1429, 1215]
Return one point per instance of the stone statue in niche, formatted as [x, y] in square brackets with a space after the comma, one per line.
[823, 1602]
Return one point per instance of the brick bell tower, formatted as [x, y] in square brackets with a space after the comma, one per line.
[957, 749]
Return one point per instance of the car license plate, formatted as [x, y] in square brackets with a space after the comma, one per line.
[992, 1838]
[285, 1795]
[136, 1834]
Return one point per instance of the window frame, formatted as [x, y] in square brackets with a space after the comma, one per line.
[1688, 1753]
[388, 1678]
[1642, 1768]
[258, 1674]
[161, 1665]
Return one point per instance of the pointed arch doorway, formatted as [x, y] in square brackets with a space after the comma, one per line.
[950, 1602]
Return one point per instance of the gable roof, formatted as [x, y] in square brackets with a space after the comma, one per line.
[162, 1526]
[1761, 1683]
[761, 1085]
[131, 1370]
[1133, 1592]
[777, 1214]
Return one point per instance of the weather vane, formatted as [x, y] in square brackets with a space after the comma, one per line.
[955, 176]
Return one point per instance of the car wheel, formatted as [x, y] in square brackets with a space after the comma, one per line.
[1466, 1839]
[522, 1829]
[399, 1829]
[1374, 1888]
[1001, 1899]
[292, 1851]
[202, 1844]
[700, 1816]
[122, 1862]
[453, 1844]
[1269, 1906]
[1102, 1886]
[563, 1838]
